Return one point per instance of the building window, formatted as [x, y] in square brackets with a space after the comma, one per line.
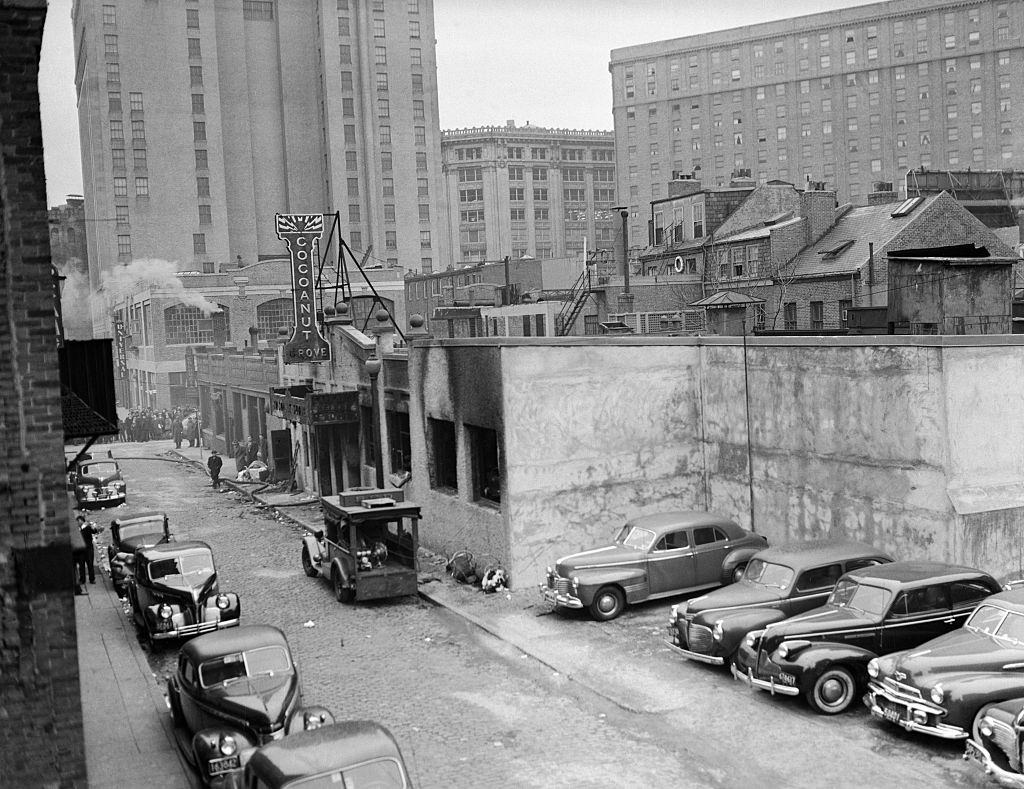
[390, 239]
[109, 16]
[114, 101]
[192, 18]
[414, 28]
[384, 109]
[199, 243]
[139, 156]
[114, 75]
[442, 446]
[540, 194]
[189, 325]
[124, 246]
[202, 162]
[198, 105]
[138, 130]
[121, 215]
[789, 316]
[195, 49]
[378, 28]
[120, 187]
[110, 46]
[202, 186]
[117, 158]
[425, 239]
[272, 315]
[141, 186]
[385, 135]
[485, 453]
[205, 215]
[416, 56]
[420, 135]
[817, 315]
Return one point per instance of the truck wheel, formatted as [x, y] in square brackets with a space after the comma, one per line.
[608, 603]
[307, 564]
[833, 691]
[341, 592]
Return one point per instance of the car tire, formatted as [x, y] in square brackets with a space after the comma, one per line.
[833, 691]
[736, 574]
[608, 603]
[307, 564]
[175, 703]
[341, 592]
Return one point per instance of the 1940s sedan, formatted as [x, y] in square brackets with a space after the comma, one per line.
[98, 483]
[997, 742]
[941, 687]
[345, 754]
[779, 582]
[174, 592]
[653, 556]
[231, 692]
[127, 535]
[824, 653]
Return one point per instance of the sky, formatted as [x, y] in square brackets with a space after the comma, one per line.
[542, 61]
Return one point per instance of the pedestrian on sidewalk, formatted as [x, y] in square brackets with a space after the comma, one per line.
[86, 563]
[177, 431]
[214, 464]
[241, 456]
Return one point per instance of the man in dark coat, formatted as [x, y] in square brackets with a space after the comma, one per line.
[177, 431]
[85, 560]
[214, 464]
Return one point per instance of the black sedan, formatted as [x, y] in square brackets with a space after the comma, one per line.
[234, 691]
[127, 535]
[823, 654]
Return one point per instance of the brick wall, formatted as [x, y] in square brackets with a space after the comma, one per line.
[764, 202]
[41, 738]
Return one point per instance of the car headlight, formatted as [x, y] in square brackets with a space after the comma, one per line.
[873, 668]
[790, 648]
[985, 727]
[576, 584]
[937, 694]
[165, 611]
[228, 746]
[717, 632]
[223, 602]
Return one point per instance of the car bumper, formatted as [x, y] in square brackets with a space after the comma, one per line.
[908, 713]
[187, 631]
[769, 684]
[554, 597]
[977, 753]
[101, 500]
[713, 660]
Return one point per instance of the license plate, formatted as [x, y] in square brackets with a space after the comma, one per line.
[892, 715]
[786, 679]
[218, 766]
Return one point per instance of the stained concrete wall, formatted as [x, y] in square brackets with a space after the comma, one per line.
[911, 443]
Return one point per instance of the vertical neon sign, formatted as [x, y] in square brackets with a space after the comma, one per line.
[302, 234]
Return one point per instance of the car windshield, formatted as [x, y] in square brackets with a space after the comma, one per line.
[634, 537]
[251, 663]
[378, 774]
[127, 531]
[998, 623]
[189, 566]
[762, 573]
[98, 469]
[860, 597]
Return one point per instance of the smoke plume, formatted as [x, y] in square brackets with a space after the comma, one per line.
[120, 282]
[75, 300]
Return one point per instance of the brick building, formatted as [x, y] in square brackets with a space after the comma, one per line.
[848, 97]
[40, 701]
[67, 234]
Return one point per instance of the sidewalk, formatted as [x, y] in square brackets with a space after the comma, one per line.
[125, 718]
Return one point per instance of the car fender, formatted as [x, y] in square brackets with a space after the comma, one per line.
[206, 746]
[816, 658]
[308, 718]
[234, 609]
[968, 692]
[738, 556]
[736, 624]
[314, 547]
[592, 580]
[339, 566]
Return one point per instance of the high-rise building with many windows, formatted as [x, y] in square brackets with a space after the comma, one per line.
[201, 120]
[849, 97]
[527, 190]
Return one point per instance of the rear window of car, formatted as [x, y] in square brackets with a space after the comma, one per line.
[382, 773]
[251, 663]
[968, 592]
[705, 535]
[819, 578]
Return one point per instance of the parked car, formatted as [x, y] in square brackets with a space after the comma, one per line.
[778, 583]
[997, 742]
[98, 483]
[823, 654]
[941, 687]
[232, 691]
[175, 594]
[347, 754]
[128, 534]
[653, 556]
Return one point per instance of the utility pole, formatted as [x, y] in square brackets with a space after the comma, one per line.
[625, 300]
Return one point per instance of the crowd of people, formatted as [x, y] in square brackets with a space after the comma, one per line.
[148, 424]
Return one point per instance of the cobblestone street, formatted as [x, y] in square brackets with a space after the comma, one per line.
[503, 692]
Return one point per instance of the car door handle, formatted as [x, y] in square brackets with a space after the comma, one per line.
[949, 621]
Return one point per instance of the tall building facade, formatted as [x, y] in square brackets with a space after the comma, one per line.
[849, 97]
[526, 190]
[201, 120]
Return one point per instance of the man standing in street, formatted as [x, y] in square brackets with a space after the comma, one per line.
[214, 464]
[88, 530]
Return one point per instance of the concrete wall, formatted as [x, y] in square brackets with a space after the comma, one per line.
[911, 443]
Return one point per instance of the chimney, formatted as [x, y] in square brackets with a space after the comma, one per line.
[683, 184]
[818, 207]
[882, 193]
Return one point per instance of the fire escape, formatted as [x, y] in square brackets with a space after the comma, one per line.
[575, 299]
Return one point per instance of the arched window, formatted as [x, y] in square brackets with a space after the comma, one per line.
[272, 315]
[71, 236]
[362, 308]
[184, 325]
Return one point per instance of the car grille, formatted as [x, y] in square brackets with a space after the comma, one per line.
[698, 637]
[1003, 736]
[901, 689]
[559, 584]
